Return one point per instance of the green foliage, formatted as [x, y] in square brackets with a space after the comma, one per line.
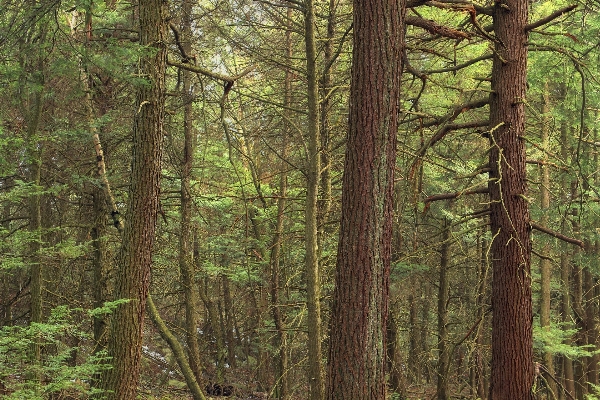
[553, 340]
[402, 269]
[58, 369]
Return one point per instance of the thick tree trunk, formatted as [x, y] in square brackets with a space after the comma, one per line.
[357, 355]
[512, 347]
[125, 341]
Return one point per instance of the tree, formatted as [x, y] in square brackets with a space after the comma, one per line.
[357, 355]
[125, 342]
[512, 346]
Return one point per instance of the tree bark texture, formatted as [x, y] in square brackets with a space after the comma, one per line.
[512, 352]
[357, 355]
[125, 341]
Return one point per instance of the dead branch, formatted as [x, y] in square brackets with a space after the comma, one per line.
[551, 164]
[460, 66]
[439, 135]
[215, 75]
[448, 196]
[436, 29]
[555, 234]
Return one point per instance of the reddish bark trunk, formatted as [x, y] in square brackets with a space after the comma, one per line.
[512, 352]
[358, 339]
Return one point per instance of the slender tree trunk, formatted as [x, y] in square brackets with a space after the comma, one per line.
[565, 266]
[325, 132]
[229, 314]
[591, 314]
[186, 261]
[313, 173]
[414, 343]
[35, 216]
[177, 349]
[360, 301]
[125, 340]
[512, 346]
[397, 380]
[442, 309]
[545, 265]
[213, 313]
[482, 335]
[579, 373]
[282, 387]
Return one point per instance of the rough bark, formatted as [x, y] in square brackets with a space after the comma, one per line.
[133, 278]
[512, 351]
[357, 352]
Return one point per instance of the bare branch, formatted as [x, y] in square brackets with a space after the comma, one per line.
[208, 73]
[436, 29]
[550, 17]
[449, 196]
[460, 66]
[555, 234]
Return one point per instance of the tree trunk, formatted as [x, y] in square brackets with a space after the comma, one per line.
[282, 387]
[512, 346]
[443, 296]
[545, 265]
[397, 379]
[360, 301]
[213, 313]
[184, 366]
[313, 173]
[565, 265]
[229, 314]
[125, 341]
[186, 260]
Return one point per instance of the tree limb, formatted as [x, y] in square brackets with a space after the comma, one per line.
[550, 17]
[460, 66]
[448, 196]
[555, 234]
[436, 29]
[215, 75]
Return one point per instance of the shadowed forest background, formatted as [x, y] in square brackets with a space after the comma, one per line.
[223, 125]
